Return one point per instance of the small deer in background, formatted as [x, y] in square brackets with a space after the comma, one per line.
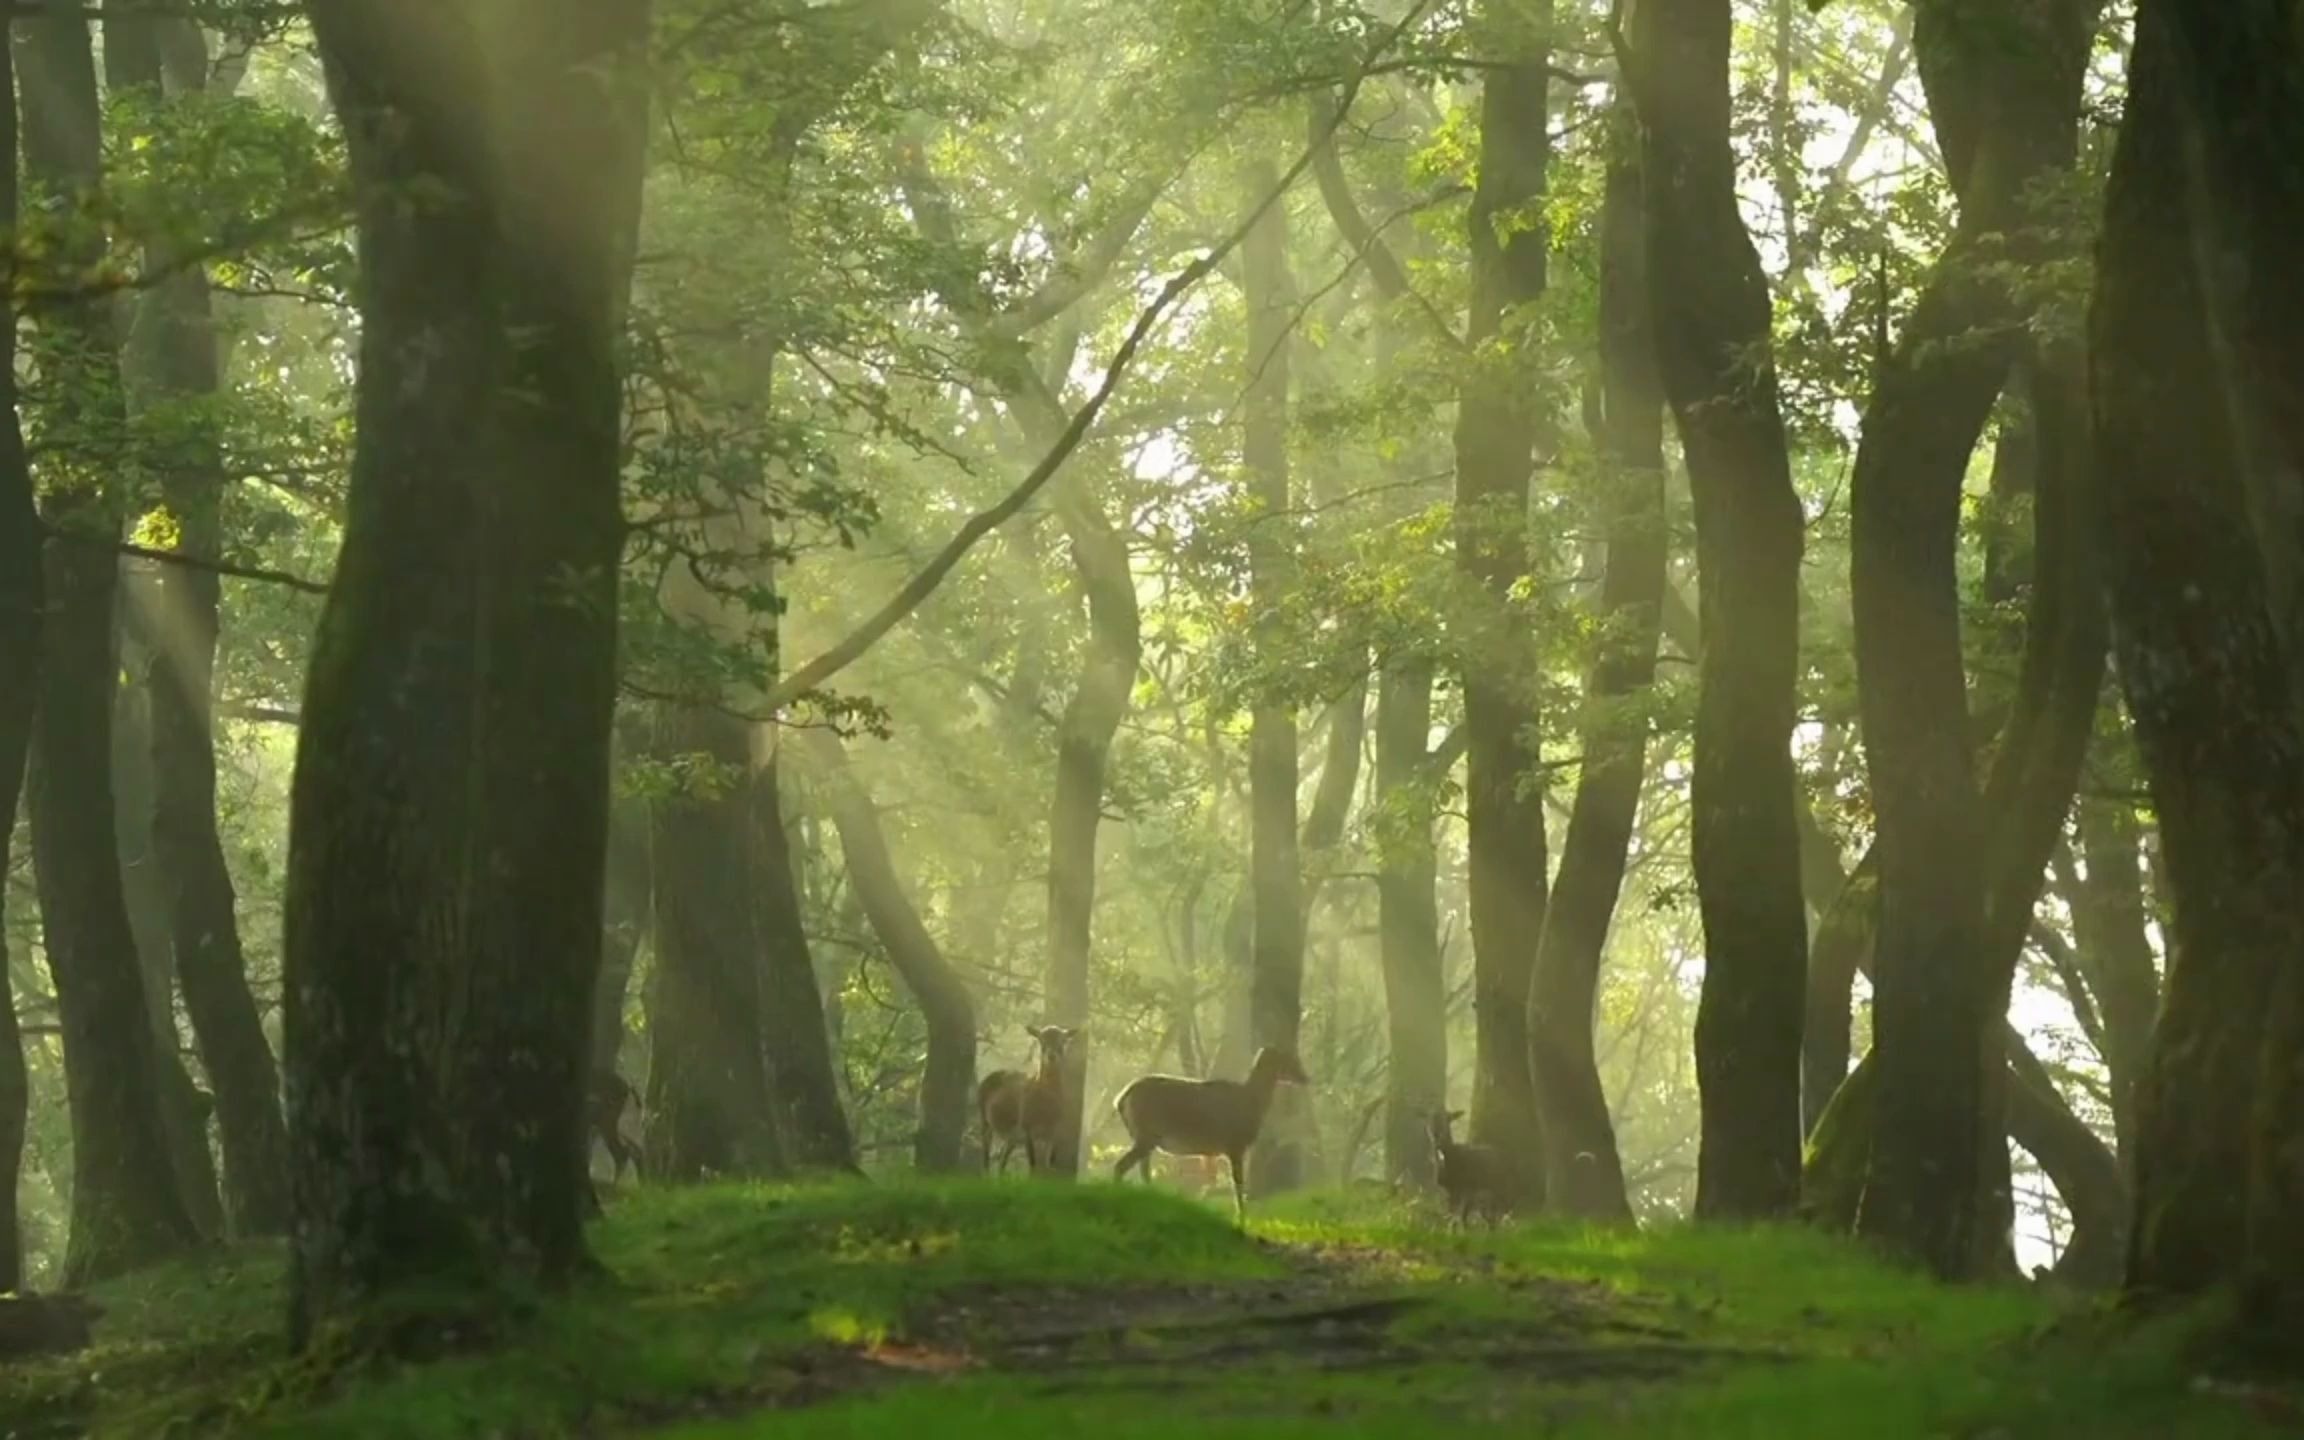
[1203, 1117]
[1473, 1177]
[1023, 1109]
[604, 1107]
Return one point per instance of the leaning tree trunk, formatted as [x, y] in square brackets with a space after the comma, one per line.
[2195, 410]
[1713, 353]
[22, 603]
[1497, 421]
[2006, 107]
[184, 1108]
[801, 1067]
[948, 1077]
[127, 1207]
[173, 361]
[2108, 928]
[449, 816]
[1583, 1169]
[1275, 869]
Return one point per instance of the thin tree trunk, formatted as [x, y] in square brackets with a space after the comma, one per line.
[1585, 1174]
[625, 906]
[801, 1066]
[449, 817]
[1497, 422]
[948, 1078]
[184, 1108]
[22, 603]
[1275, 869]
[1712, 315]
[2108, 925]
[172, 360]
[1408, 921]
[127, 1206]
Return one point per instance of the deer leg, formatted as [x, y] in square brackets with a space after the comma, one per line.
[1139, 1154]
[1232, 1160]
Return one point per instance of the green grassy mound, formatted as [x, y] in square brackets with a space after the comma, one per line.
[973, 1308]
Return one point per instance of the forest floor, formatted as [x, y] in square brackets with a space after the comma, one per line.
[977, 1308]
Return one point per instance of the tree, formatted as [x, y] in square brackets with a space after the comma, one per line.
[1584, 1173]
[448, 818]
[2193, 375]
[1275, 870]
[1497, 423]
[126, 1206]
[1718, 372]
[172, 365]
[22, 602]
[2005, 94]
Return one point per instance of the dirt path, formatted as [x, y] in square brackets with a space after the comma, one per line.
[1334, 1310]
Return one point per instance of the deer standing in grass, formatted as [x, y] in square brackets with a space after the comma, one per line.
[1203, 1117]
[1026, 1109]
[1473, 1177]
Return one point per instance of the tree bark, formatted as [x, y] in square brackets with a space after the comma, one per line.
[948, 1078]
[627, 912]
[2005, 98]
[173, 362]
[801, 1066]
[710, 1107]
[1408, 921]
[1712, 320]
[1497, 423]
[2194, 412]
[1275, 869]
[127, 1207]
[2108, 926]
[448, 820]
[1583, 1169]
[23, 601]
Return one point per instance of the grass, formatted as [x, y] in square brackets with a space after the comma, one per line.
[973, 1308]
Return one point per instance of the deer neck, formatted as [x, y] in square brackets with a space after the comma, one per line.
[1261, 1086]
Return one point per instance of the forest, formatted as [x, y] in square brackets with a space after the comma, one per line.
[1233, 718]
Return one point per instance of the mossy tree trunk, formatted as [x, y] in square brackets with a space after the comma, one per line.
[1497, 424]
[449, 815]
[1712, 324]
[802, 1069]
[2194, 336]
[1408, 919]
[127, 1207]
[1585, 1173]
[173, 364]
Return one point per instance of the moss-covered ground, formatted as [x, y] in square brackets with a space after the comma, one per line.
[1021, 1308]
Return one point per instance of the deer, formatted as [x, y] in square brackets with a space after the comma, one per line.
[1203, 1117]
[1471, 1176]
[1026, 1109]
[604, 1108]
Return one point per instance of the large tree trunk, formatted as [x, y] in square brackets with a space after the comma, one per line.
[801, 1066]
[710, 1108]
[1581, 1163]
[127, 1207]
[2006, 111]
[448, 821]
[22, 601]
[948, 1077]
[172, 361]
[2194, 346]
[1497, 421]
[1712, 319]
[1275, 871]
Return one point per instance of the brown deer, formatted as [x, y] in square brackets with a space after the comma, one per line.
[604, 1106]
[1473, 1177]
[1203, 1117]
[1023, 1109]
